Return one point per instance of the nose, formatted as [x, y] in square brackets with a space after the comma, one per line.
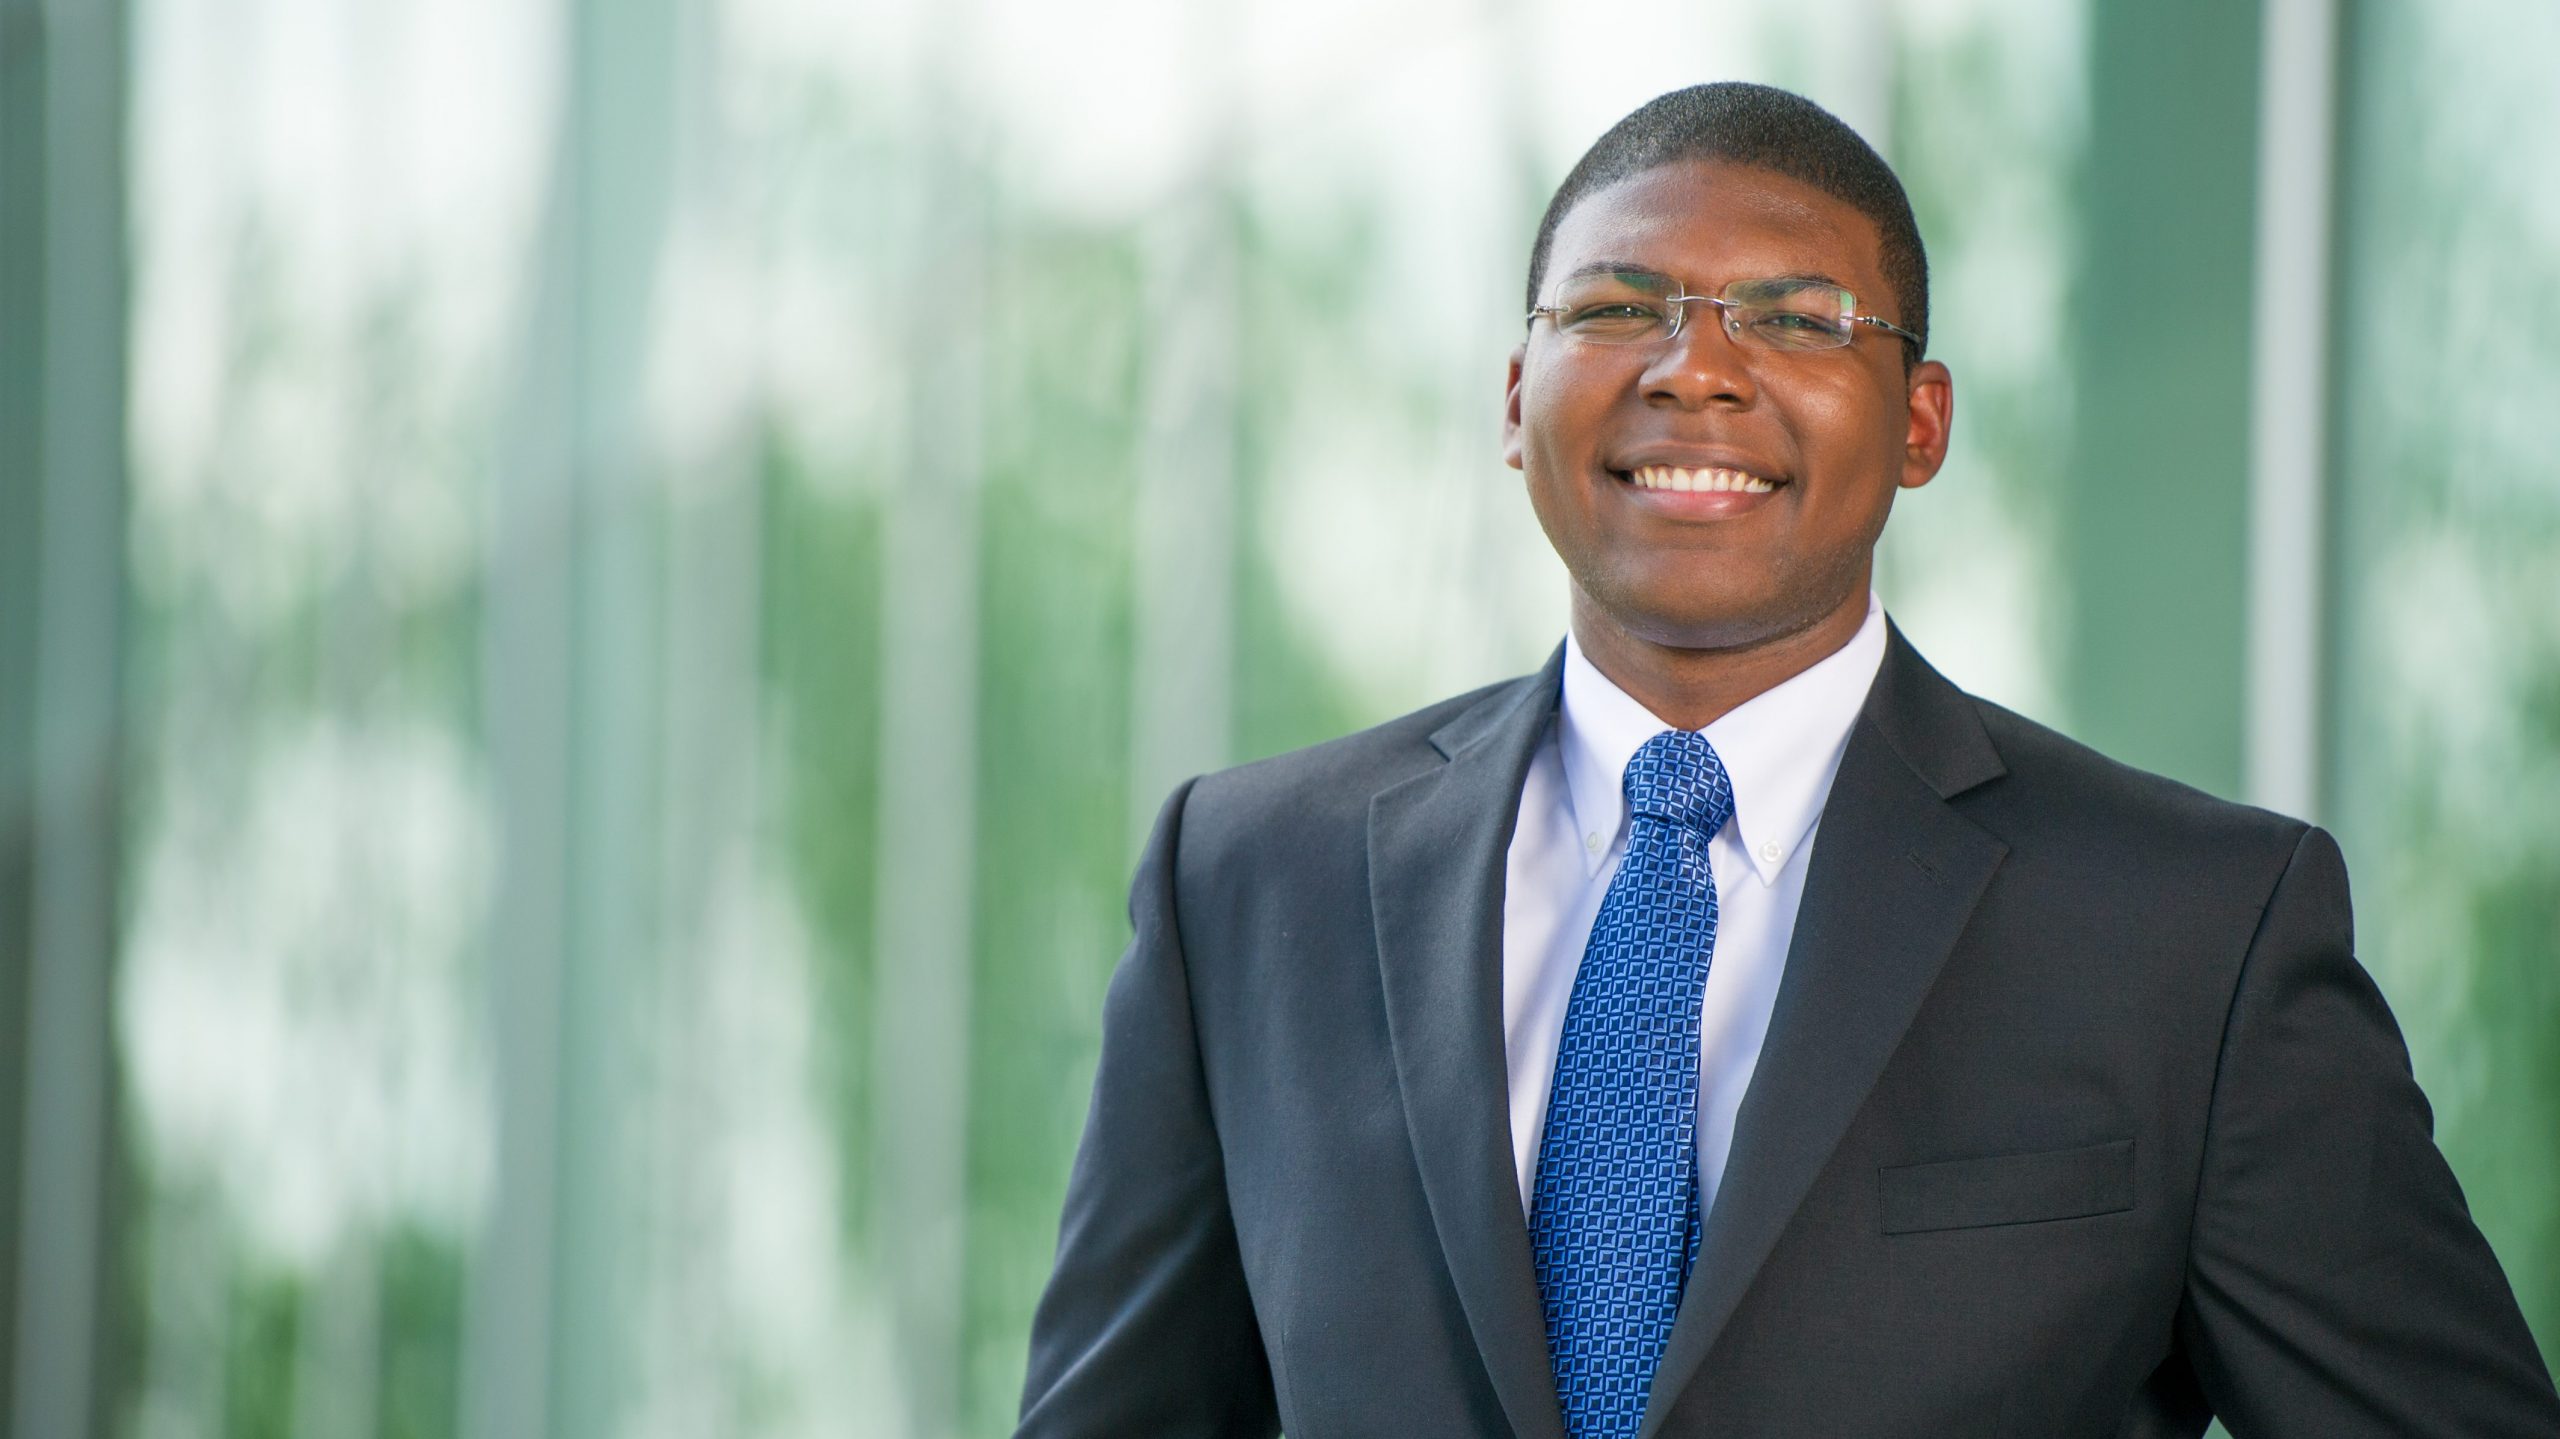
[1702, 366]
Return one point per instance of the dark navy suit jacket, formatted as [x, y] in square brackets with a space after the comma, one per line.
[2076, 1117]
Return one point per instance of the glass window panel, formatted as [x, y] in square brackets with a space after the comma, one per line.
[331, 208]
[2446, 762]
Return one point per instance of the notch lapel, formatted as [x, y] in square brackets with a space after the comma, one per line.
[1438, 847]
[1895, 874]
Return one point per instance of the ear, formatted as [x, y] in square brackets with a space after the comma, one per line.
[1511, 409]
[1933, 414]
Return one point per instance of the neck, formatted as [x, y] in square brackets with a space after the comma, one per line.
[1691, 688]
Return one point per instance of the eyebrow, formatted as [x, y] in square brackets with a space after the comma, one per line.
[1813, 277]
[1630, 267]
[1613, 267]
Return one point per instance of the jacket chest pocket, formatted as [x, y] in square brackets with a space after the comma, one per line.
[2008, 1188]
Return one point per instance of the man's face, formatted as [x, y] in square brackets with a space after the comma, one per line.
[1836, 431]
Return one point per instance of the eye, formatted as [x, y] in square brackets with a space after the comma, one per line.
[1614, 320]
[1794, 330]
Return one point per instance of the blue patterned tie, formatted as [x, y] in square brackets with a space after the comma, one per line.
[1614, 1216]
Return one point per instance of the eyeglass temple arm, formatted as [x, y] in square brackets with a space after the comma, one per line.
[1886, 325]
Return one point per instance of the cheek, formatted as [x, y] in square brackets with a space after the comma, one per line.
[1846, 431]
[1560, 414]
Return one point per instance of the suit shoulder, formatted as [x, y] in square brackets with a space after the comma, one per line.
[2060, 790]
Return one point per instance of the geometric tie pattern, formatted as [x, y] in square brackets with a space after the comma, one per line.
[1614, 1219]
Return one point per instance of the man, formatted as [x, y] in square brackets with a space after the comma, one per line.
[1524, 1066]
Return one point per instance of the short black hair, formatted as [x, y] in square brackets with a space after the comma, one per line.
[1767, 129]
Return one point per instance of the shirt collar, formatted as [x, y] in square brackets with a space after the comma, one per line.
[1780, 748]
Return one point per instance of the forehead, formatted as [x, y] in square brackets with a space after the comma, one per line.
[1708, 223]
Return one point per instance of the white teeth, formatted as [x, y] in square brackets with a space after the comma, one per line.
[1671, 477]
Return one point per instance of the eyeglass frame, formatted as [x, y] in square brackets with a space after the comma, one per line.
[1680, 301]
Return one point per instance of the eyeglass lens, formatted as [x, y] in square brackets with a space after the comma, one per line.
[1628, 307]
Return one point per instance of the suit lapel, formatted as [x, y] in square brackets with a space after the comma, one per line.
[1895, 875]
[1437, 850]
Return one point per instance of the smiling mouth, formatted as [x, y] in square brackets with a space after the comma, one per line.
[1710, 481]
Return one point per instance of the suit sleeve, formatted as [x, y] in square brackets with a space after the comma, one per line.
[2337, 1286]
[1146, 1326]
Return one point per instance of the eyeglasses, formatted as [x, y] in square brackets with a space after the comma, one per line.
[1636, 307]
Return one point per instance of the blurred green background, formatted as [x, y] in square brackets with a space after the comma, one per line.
[595, 594]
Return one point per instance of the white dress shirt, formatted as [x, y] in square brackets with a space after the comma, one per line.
[1780, 749]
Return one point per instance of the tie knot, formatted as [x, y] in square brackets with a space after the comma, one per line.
[1676, 776]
